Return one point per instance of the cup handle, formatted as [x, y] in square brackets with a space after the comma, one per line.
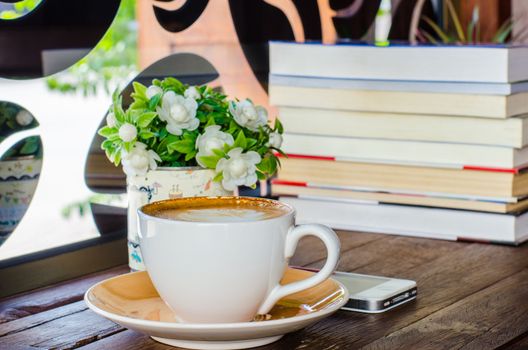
[330, 240]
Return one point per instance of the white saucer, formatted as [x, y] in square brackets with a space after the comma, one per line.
[132, 301]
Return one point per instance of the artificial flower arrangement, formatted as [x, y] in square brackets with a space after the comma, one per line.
[171, 124]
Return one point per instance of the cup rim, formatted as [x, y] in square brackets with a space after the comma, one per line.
[141, 214]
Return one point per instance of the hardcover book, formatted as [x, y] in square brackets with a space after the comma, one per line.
[483, 106]
[474, 184]
[512, 132]
[415, 221]
[496, 64]
[438, 154]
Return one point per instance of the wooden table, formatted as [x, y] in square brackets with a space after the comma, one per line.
[471, 296]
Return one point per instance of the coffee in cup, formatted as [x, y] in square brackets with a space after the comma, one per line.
[218, 210]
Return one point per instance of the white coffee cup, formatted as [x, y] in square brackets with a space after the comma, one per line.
[225, 271]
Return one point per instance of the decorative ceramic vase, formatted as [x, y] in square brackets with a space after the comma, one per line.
[164, 183]
[18, 181]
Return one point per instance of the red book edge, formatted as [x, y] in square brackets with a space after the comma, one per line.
[305, 156]
[289, 183]
[338, 188]
[495, 170]
[464, 167]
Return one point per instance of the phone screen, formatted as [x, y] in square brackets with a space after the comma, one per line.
[356, 284]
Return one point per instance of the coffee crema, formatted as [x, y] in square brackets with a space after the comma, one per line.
[216, 209]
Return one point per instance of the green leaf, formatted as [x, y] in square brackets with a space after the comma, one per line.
[190, 155]
[138, 104]
[163, 133]
[146, 134]
[240, 141]
[140, 92]
[107, 144]
[268, 165]
[190, 135]
[117, 158]
[31, 145]
[278, 127]
[129, 116]
[210, 161]
[114, 137]
[503, 32]
[107, 131]
[117, 108]
[109, 153]
[264, 165]
[182, 146]
[128, 146]
[261, 176]
[262, 150]
[114, 153]
[138, 97]
[210, 121]
[162, 146]
[173, 84]
[456, 20]
[218, 177]
[139, 88]
[273, 165]
[219, 153]
[145, 119]
[202, 116]
[280, 152]
[153, 102]
[251, 142]
[233, 128]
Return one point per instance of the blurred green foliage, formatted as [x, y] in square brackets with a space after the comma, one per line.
[111, 64]
[452, 31]
[14, 118]
[19, 9]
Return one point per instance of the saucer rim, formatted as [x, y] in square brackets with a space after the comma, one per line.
[209, 326]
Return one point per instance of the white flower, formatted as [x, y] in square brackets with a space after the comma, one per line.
[192, 92]
[247, 115]
[152, 91]
[127, 132]
[179, 112]
[24, 118]
[211, 139]
[139, 160]
[240, 169]
[275, 140]
[111, 120]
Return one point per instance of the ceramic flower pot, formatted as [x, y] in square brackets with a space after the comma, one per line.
[164, 183]
[18, 182]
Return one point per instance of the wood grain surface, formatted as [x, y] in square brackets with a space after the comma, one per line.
[471, 296]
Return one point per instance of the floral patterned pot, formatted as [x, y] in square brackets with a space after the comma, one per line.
[164, 183]
[18, 182]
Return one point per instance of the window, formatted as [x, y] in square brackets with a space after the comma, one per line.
[61, 60]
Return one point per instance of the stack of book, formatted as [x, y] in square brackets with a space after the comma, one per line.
[422, 141]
